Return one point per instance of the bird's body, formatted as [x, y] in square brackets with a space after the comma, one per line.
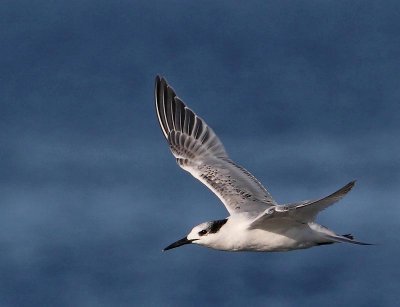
[235, 235]
[256, 221]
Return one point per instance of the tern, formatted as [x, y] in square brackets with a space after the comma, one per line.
[256, 222]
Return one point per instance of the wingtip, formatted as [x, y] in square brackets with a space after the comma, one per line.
[160, 79]
[349, 186]
[161, 85]
[157, 82]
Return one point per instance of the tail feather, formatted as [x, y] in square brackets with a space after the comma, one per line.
[349, 235]
[330, 236]
[345, 239]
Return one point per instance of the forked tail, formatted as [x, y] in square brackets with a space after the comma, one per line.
[345, 239]
[330, 236]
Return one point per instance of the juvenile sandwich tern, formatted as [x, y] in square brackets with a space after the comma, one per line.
[256, 221]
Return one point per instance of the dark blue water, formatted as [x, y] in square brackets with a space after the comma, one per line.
[304, 94]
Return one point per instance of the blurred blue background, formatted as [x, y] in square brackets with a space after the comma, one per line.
[304, 94]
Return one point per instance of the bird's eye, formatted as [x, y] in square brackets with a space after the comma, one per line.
[203, 232]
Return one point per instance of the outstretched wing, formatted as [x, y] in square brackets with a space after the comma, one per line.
[198, 150]
[308, 210]
[304, 212]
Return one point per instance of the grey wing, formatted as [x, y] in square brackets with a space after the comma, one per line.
[199, 151]
[307, 210]
[304, 211]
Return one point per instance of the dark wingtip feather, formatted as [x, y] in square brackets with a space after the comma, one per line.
[346, 188]
[157, 83]
[159, 89]
[350, 185]
[166, 104]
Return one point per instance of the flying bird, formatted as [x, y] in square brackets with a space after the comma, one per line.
[256, 222]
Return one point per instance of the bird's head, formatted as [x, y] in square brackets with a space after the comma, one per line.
[203, 234]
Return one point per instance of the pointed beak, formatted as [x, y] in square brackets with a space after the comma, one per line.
[178, 243]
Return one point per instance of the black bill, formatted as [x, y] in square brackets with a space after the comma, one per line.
[178, 243]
